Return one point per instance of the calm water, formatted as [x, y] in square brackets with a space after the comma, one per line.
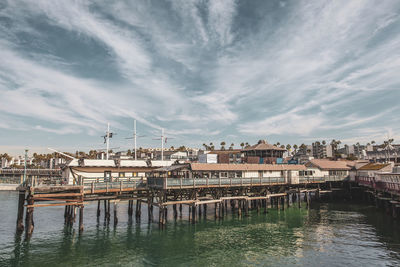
[327, 234]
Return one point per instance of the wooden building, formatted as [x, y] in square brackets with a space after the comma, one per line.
[109, 170]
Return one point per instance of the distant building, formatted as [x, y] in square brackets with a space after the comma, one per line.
[208, 158]
[321, 151]
[228, 156]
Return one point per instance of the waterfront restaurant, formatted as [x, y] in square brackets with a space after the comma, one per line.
[263, 153]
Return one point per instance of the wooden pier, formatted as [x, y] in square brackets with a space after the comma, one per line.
[238, 195]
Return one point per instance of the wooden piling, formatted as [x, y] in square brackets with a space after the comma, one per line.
[98, 209]
[29, 224]
[81, 219]
[175, 211]
[194, 214]
[115, 213]
[299, 197]
[20, 214]
[105, 210]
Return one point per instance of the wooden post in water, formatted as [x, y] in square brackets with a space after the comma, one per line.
[29, 224]
[98, 209]
[108, 212]
[239, 208]
[299, 197]
[20, 215]
[138, 208]
[81, 219]
[194, 214]
[205, 210]
[199, 212]
[66, 212]
[115, 213]
[175, 211]
[105, 210]
[215, 210]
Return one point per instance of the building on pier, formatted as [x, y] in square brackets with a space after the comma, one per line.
[109, 170]
[328, 168]
[263, 153]
[236, 173]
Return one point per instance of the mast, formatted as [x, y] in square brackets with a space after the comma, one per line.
[26, 159]
[134, 136]
[162, 144]
[108, 139]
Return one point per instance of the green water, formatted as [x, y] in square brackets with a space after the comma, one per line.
[326, 234]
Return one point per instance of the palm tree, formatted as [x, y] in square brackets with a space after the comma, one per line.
[323, 142]
[223, 145]
[231, 147]
[211, 146]
[282, 146]
[278, 144]
[242, 145]
[295, 148]
[288, 147]
[247, 144]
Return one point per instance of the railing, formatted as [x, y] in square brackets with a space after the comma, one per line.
[366, 181]
[225, 182]
[114, 186]
[15, 171]
[107, 179]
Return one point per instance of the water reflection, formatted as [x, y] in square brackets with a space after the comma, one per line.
[328, 234]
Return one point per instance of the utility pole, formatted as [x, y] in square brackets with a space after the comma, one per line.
[26, 159]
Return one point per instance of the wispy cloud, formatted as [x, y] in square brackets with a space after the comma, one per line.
[297, 70]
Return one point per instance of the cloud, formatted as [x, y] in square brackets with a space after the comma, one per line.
[295, 70]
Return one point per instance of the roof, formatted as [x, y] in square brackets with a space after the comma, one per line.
[133, 163]
[373, 167]
[172, 168]
[245, 167]
[326, 164]
[263, 146]
[225, 151]
[112, 169]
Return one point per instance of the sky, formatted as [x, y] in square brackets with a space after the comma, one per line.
[206, 71]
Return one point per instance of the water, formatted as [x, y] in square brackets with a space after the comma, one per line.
[327, 234]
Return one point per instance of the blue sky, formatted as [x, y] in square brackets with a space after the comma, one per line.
[206, 71]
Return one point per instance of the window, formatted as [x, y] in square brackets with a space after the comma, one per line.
[107, 176]
[121, 174]
[223, 174]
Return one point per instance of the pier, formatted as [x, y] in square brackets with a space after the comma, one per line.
[223, 189]
[159, 195]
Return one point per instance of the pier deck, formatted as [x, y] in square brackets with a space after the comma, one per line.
[241, 195]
